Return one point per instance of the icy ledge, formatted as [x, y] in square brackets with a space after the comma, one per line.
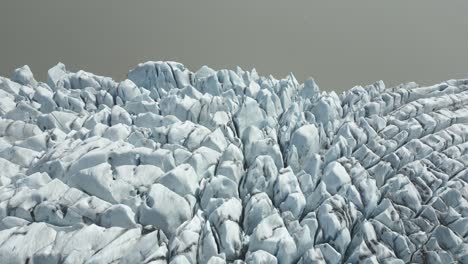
[171, 166]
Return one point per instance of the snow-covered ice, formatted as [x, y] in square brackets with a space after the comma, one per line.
[175, 166]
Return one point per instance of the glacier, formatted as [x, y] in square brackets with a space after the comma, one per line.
[174, 166]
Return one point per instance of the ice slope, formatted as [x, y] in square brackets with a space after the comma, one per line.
[174, 166]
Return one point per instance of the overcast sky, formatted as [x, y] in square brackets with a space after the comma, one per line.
[339, 43]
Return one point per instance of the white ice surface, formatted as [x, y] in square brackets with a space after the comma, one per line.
[174, 166]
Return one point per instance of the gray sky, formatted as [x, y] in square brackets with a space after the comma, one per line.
[339, 43]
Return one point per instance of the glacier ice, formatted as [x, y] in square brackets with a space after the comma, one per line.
[175, 166]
